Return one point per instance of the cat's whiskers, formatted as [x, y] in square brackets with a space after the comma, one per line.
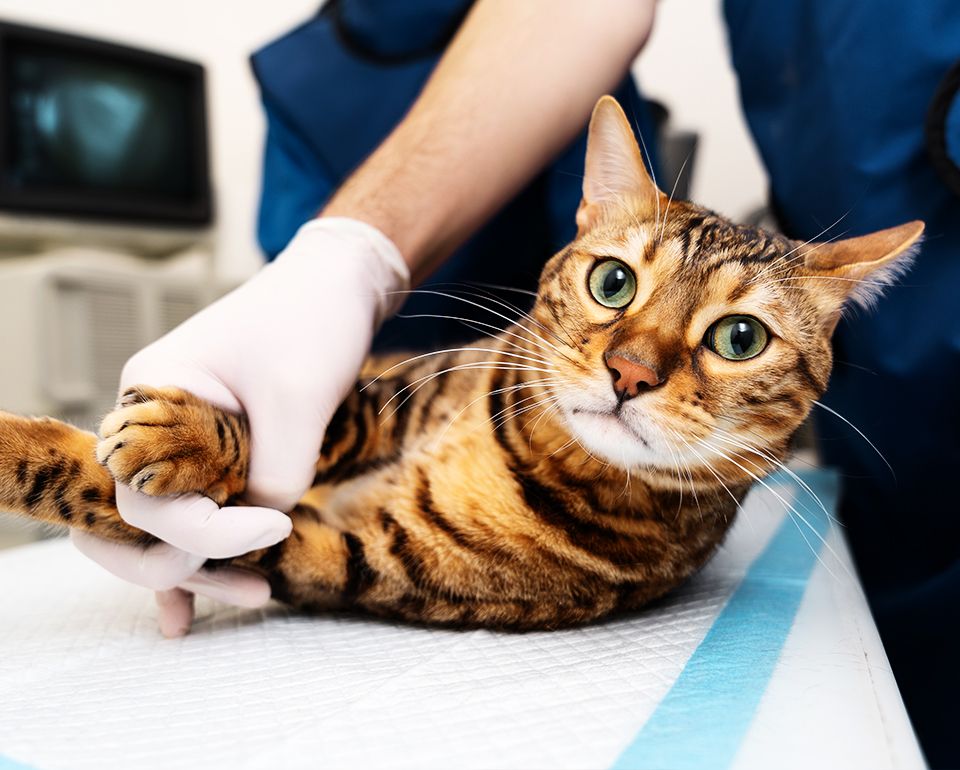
[766, 440]
[555, 406]
[543, 382]
[497, 286]
[507, 366]
[521, 313]
[693, 489]
[551, 402]
[514, 413]
[676, 464]
[686, 465]
[569, 341]
[564, 446]
[860, 432]
[559, 321]
[729, 438]
[878, 284]
[543, 348]
[777, 267]
[604, 466]
[785, 265]
[464, 349]
[760, 275]
[653, 174]
[788, 507]
[626, 484]
[666, 213]
[478, 326]
[706, 464]
[508, 319]
[500, 418]
[824, 231]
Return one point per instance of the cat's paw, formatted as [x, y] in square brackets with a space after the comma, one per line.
[165, 441]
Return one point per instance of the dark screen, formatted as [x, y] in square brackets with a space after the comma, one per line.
[90, 128]
[86, 124]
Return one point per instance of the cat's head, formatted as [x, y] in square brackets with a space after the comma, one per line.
[679, 336]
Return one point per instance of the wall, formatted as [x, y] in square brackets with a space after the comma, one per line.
[685, 65]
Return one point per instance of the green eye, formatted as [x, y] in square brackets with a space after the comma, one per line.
[612, 284]
[736, 337]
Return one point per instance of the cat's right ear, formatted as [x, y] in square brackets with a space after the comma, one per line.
[614, 172]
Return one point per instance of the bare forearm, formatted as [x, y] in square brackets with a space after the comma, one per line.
[516, 84]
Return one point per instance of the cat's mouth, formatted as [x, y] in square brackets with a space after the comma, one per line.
[614, 417]
[625, 436]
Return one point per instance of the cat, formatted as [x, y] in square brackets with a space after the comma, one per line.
[581, 462]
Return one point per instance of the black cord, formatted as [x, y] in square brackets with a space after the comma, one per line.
[936, 128]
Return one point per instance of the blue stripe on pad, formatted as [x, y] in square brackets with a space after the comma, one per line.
[701, 721]
[8, 764]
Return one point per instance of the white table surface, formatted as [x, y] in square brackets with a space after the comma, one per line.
[87, 682]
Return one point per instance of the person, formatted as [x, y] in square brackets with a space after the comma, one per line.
[836, 93]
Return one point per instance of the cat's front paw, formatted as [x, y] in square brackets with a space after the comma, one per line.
[165, 441]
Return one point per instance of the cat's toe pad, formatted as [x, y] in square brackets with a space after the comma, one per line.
[166, 441]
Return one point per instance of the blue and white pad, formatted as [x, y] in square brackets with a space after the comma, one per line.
[768, 658]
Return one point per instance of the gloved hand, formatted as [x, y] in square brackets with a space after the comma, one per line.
[285, 348]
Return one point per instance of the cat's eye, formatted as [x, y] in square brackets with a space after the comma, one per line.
[736, 337]
[612, 284]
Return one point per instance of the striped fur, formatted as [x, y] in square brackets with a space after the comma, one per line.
[504, 484]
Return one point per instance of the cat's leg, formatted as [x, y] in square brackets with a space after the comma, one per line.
[161, 441]
[49, 473]
[164, 441]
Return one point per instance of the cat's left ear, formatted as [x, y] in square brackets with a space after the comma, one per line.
[614, 174]
[857, 270]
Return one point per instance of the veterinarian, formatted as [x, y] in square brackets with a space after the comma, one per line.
[853, 107]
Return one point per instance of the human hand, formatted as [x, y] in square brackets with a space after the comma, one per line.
[284, 348]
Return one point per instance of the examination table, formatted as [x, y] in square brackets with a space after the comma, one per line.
[768, 658]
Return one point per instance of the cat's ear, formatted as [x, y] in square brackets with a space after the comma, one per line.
[614, 170]
[857, 270]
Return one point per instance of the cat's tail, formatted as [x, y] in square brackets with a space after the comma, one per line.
[49, 473]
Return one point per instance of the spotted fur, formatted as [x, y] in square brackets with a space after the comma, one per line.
[507, 484]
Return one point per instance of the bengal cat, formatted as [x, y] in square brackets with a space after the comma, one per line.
[583, 461]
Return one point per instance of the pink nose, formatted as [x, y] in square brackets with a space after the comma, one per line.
[630, 377]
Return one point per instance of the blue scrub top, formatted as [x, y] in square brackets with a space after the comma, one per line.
[838, 97]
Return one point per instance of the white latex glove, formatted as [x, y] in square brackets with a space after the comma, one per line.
[285, 348]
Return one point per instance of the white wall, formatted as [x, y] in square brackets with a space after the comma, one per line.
[220, 34]
[685, 64]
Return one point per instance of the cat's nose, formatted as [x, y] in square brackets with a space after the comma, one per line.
[630, 378]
